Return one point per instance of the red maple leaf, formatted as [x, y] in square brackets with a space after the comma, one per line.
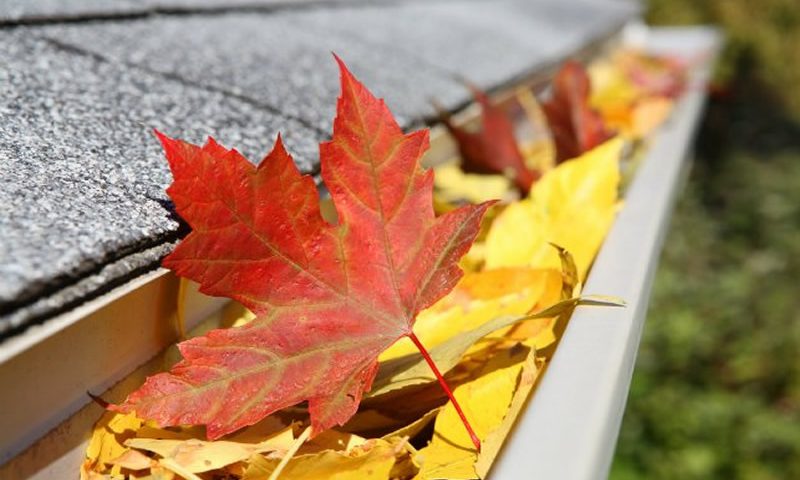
[493, 148]
[328, 298]
[575, 126]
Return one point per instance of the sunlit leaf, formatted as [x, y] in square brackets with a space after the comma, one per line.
[572, 206]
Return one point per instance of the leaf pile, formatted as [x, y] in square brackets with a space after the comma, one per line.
[634, 91]
[480, 334]
[322, 377]
[629, 92]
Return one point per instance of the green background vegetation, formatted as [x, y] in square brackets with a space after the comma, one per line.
[716, 391]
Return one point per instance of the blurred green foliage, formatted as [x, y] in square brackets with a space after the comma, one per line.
[716, 391]
[762, 36]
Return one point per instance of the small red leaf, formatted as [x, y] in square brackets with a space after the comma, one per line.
[328, 298]
[575, 126]
[493, 148]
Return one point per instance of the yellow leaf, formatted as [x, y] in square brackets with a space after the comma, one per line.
[175, 467]
[133, 460]
[404, 466]
[332, 440]
[370, 461]
[476, 256]
[479, 309]
[236, 315]
[624, 105]
[491, 445]
[158, 473]
[87, 473]
[639, 119]
[572, 206]
[478, 298]
[268, 428]
[198, 456]
[648, 114]
[612, 89]
[485, 401]
[508, 317]
[109, 434]
[252, 434]
[537, 332]
[454, 186]
[408, 405]
[290, 453]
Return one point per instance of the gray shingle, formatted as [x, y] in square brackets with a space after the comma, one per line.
[271, 59]
[12, 11]
[80, 172]
[488, 43]
[200, 5]
[26, 10]
[407, 53]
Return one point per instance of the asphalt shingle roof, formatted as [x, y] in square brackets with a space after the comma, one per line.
[82, 207]
[13, 12]
[249, 55]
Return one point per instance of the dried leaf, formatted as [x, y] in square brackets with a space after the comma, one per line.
[490, 446]
[108, 437]
[478, 298]
[575, 126]
[611, 87]
[299, 441]
[625, 106]
[371, 461]
[493, 148]
[134, 460]
[453, 186]
[485, 400]
[177, 468]
[647, 115]
[158, 473]
[197, 456]
[573, 206]
[411, 370]
[332, 440]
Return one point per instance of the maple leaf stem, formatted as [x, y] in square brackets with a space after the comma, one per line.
[475, 440]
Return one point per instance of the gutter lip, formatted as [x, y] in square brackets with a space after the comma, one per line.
[18, 344]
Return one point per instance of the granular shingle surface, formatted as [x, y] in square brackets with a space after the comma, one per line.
[274, 60]
[487, 43]
[80, 172]
[82, 207]
[27, 10]
[52, 11]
